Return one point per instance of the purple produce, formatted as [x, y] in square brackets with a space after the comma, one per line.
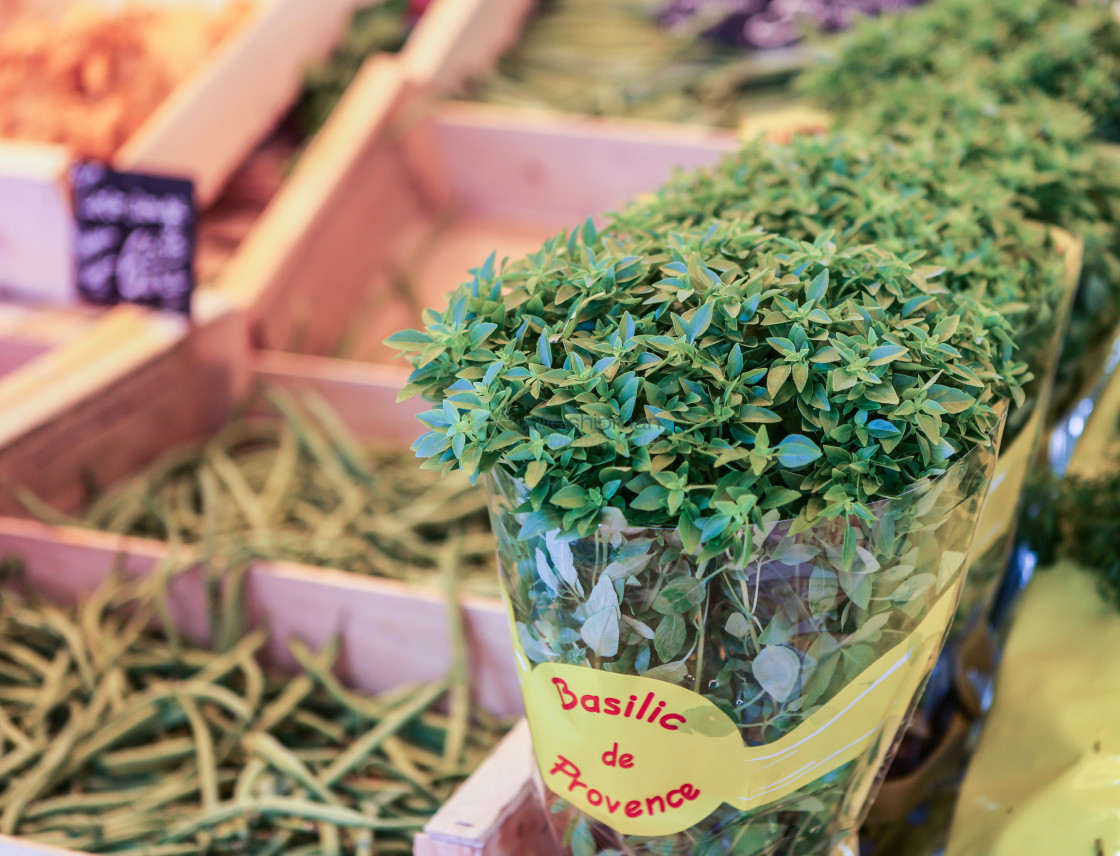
[771, 23]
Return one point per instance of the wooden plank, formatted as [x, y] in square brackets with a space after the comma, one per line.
[215, 118]
[390, 617]
[391, 633]
[46, 325]
[540, 168]
[15, 353]
[18, 847]
[204, 128]
[104, 405]
[462, 39]
[36, 226]
[501, 181]
[496, 812]
[363, 395]
[349, 210]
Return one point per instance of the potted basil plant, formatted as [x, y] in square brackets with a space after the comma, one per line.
[929, 202]
[734, 479]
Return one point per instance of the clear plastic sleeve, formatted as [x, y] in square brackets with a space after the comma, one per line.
[774, 642]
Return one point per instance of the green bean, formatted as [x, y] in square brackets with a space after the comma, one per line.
[387, 727]
[32, 783]
[330, 843]
[150, 756]
[176, 788]
[293, 808]
[314, 668]
[313, 722]
[273, 752]
[282, 707]
[244, 497]
[164, 748]
[31, 661]
[460, 678]
[300, 488]
[204, 752]
[69, 631]
[11, 733]
[51, 692]
[160, 850]
[222, 665]
[418, 782]
[363, 842]
[18, 758]
[316, 444]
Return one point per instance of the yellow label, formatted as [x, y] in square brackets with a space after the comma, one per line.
[1007, 484]
[646, 757]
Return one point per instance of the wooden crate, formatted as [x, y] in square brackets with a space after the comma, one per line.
[409, 194]
[81, 388]
[463, 41]
[391, 634]
[203, 130]
[98, 406]
[214, 118]
[368, 612]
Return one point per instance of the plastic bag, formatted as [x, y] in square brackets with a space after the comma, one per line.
[729, 707]
[1046, 777]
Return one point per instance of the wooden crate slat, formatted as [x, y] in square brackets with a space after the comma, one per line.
[462, 39]
[18, 847]
[559, 168]
[113, 400]
[496, 812]
[207, 126]
[363, 395]
[349, 209]
[391, 632]
[36, 223]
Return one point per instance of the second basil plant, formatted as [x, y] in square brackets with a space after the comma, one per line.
[734, 479]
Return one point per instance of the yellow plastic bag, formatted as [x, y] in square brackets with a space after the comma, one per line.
[1046, 778]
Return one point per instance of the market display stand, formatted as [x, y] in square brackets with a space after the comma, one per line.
[102, 404]
[389, 206]
[104, 410]
[369, 613]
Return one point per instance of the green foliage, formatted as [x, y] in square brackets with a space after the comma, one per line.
[705, 376]
[1079, 519]
[768, 636]
[1040, 150]
[374, 28]
[1070, 51]
[914, 199]
[613, 58]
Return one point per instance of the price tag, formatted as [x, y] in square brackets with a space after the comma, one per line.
[135, 237]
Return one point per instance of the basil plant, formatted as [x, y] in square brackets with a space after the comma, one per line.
[738, 463]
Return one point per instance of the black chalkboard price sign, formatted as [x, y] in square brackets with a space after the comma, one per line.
[135, 237]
